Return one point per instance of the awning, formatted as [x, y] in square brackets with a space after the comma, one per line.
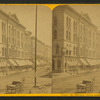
[91, 62]
[24, 63]
[12, 62]
[83, 61]
[29, 62]
[5, 63]
[98, 61]
[20, 62]
[70, 63]
[77, 63]
[1, 64]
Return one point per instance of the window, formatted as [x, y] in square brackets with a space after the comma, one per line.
[78, 51]
[76, 26]
[74, 50]
[59, 63]
[53, 65]
[3, 50]
[2, 26]
[67, 35]
[57, 49]
[9, 30]
[6, 51]
[76, 38]
[67, 22]
[55, 34]
[67, 52]
[55, 20]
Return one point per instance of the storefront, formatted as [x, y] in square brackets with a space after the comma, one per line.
[84, 63]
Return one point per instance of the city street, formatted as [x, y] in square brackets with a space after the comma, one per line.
[43, 82]
[65, 83]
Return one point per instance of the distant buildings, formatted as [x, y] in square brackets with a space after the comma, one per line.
[44, 53]
[75, 40]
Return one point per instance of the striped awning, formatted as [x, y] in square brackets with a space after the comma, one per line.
[12, 62]
[83, 61]
[28, 62]
[4, 63]
[91, 62]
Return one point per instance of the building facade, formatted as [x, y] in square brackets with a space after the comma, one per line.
[74, 40]
[43, 53]
[15, 43]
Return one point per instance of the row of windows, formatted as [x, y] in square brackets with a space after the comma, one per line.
[14, 41]
[68, 52]
[86, 53]
[14, 53]
[82, 51]
[12, 33]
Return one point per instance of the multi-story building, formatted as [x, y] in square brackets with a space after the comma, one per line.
[48, 55]
[15, 42]
[43, 52]
[98, 44]
[74, 40]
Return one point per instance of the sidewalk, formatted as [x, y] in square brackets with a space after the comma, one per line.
[67, 74]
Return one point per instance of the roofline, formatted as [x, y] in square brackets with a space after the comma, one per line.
[12, 18]
[81, 16]
[67, 6]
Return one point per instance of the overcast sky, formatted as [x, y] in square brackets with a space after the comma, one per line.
[26, 16]
[92, 10]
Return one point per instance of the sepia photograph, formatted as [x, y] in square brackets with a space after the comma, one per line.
[76, 49]
[49, 51]
[25, 49]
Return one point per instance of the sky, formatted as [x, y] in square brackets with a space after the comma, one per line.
[92, 10]
[26, 16]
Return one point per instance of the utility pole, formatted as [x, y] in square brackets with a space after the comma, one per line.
[7, 45]
[35, 47]
[77, 55]
[35, 79]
